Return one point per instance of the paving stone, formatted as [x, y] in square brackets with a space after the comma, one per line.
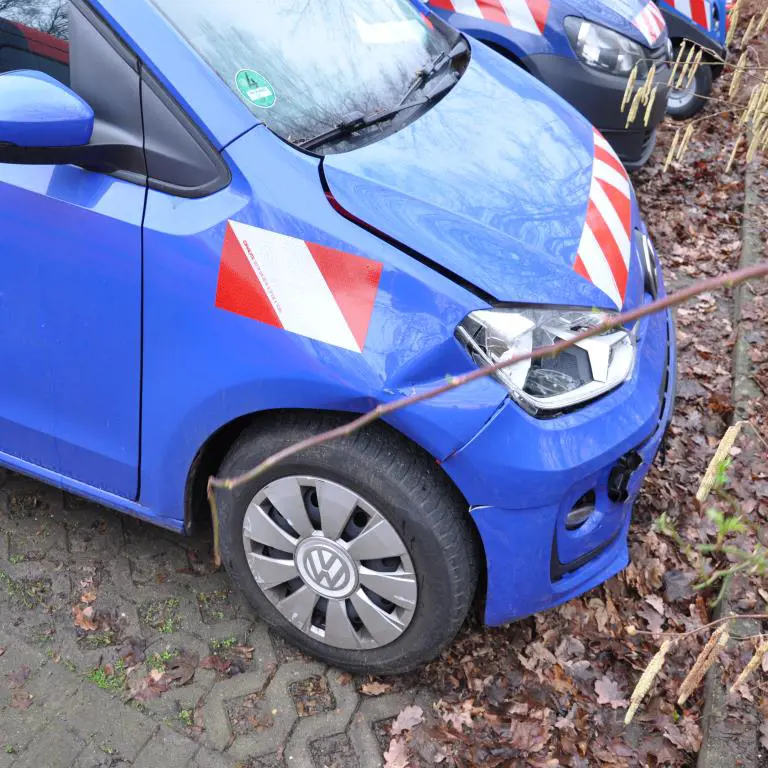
[18, 726]
[333, 752]
[184, 697]
[94, 530]
[99, 718]
[54, 688]
[16, 654]
[279, 704]
[284, 651]
[312, 696]
[32, 543]
[217, 606]
[207, 758]
[54, 747]
[361, 729]
[217, 731]
[268, 761]
[24, 498]
[166, 749]
[132, 566]
[309, 729]
[98, 757]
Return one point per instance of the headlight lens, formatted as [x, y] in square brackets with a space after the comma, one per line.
[605, 49]
[552, 383]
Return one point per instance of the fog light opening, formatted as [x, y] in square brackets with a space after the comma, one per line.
[582, 510]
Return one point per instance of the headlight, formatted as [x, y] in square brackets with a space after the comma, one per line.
[605, 49]
[552, 383]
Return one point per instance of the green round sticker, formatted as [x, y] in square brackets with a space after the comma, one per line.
[255, 89]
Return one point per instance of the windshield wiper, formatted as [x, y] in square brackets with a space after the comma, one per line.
[357, 121]
[354, 122]
[438, 63]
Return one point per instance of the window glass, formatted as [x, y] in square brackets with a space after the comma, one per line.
[303, 66]
[34, 35]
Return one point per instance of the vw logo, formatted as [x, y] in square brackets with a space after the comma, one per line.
[326, 568]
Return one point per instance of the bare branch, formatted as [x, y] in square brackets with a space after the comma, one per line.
[454, 382]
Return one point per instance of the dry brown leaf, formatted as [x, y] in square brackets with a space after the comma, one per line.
[83, 620]
[457, 717]
[409, 718]
[397, 755]
[375, 688]
[88, 597]
[217, 663]
[244, 652]
[156, 675]
[656, 602]
[181, 669]
[608, 692]
[653, 618]
[19, 677]
[21, 699]
[148, 688]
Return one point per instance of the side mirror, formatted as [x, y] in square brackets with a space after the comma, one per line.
[37, 111]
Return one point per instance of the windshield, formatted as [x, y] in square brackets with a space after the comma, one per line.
[303, 66]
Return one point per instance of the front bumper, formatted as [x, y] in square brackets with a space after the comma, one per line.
[598, 96]
[522, 476]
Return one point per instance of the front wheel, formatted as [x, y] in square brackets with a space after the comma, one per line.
[357, 551]
[691, 98]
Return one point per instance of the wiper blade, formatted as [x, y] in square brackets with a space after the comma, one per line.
[438, 63]
[354, 122]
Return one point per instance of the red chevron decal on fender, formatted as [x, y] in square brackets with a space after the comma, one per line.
[606, 242]
[305, 288]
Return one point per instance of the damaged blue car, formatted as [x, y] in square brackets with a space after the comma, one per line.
[239, 225]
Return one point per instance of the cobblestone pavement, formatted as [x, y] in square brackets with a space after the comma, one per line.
[64, 689]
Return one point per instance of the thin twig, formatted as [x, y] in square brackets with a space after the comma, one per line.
[454, 382]
[702, 628]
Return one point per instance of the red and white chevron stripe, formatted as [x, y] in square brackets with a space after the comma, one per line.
[310, 290]
[698, 10]
[606, 244]
[526, 15]
[650, 22]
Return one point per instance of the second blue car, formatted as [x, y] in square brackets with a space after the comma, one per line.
[585, 52]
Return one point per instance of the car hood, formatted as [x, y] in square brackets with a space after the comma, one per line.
[497, 184]
[624, 16]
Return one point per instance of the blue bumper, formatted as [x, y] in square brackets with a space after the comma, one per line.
[522, 476]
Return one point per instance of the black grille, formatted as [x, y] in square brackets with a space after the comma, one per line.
[660, 54]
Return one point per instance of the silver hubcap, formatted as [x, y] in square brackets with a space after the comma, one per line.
[330, 563]
[680, 98]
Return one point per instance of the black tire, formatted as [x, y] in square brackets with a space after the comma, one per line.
[691, 103]
[407, 489]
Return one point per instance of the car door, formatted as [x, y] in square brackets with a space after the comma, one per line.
[71, 292]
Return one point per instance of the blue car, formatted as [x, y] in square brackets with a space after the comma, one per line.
[701, 25]
[585, 52]
[241, 225]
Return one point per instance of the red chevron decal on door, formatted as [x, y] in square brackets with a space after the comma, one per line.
[650, 22]
[606, 244]
[526, 15]
[305, 288]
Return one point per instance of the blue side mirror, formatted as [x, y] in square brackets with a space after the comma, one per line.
[38, 111]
